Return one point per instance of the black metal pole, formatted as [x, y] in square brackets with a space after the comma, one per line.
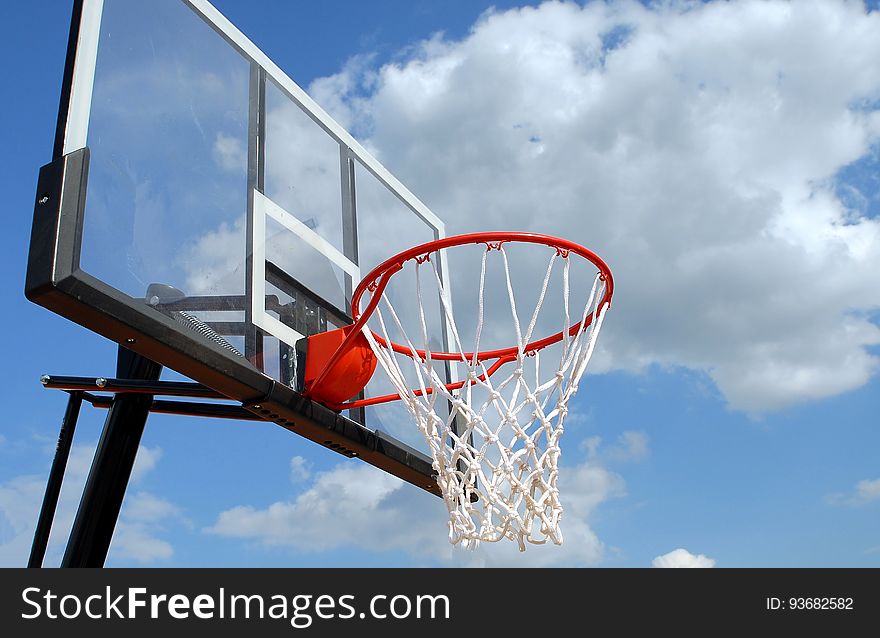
[105, 488]
[56, 477]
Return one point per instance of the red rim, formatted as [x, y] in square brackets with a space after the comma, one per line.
[377, 279]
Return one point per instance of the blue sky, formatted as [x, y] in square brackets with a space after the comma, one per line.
[727, 158]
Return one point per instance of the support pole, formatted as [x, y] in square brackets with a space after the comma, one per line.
[105, 488]
[56, 477]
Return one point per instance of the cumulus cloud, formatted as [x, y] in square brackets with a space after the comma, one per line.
[146, 507]
[142, 521]
[631, 446]
[682, 558]
[866, 491]
[300, 469]
[136, 536]
[145, 462]
[353, 503]
[358, 506]
[216, 260]
[20, 499]
[697, 147]
[230, 153]
[136, 541]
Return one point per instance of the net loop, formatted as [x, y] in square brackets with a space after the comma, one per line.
[496, 455]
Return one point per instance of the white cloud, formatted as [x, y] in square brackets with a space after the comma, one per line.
[696, 150]
[591, 446]
[682, 558]
[230, 153]
[144, 462]
[866, 491]
[631, 445]
[136, 541]
[216, 260]
[138, 527]
[360, 506]
[145, 507]
[141, 521]
[353, 503]
[20, 499]
[300, 469]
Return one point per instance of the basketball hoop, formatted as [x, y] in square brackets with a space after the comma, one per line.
[494, 443]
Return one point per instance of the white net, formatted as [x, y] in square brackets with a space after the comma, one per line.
[495, 440]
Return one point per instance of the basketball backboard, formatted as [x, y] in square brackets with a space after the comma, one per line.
[202, 210]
